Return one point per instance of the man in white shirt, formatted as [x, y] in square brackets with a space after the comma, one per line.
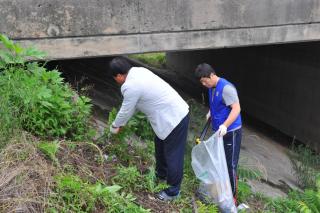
[167, 113]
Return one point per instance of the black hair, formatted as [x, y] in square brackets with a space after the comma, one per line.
[204, 71]
[119, 65]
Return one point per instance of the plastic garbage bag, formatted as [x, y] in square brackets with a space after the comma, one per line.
[210, 166]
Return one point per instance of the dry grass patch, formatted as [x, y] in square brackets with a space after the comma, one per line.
[25, 178]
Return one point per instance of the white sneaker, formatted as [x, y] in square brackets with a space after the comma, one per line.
[243, 206]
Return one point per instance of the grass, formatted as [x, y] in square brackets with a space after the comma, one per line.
[26, 177]
[157, 60]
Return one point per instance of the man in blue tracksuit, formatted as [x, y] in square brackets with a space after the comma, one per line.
[225, 116]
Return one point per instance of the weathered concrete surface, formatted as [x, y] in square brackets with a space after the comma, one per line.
[261, 152]
[278, 84]
[80, 28]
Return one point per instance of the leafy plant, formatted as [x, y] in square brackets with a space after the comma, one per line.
[141, 127]
[202, 208]
[50, 149]
[11, 55]
[122, 145]
[14, 54]
[137, 125]
[143, 151]
[43, 103]
[124, 132]
[128, 177]
[75, 195]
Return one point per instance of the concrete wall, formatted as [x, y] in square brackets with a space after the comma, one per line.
[279, 85]
[81, 28]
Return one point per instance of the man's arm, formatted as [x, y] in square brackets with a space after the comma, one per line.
[128, 107]
[230, 98]
[235, 111]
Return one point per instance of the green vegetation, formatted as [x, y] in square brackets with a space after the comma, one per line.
[157, 60]
[128, 177]
[150, 181]
[137, 125]
[202, 208]
[37, 99]
[297, 201]
[307, 201]
[75, 195]
[306, 165]
[50, 149]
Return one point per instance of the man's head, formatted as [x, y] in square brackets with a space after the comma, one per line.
[119, 68]
[206, 75]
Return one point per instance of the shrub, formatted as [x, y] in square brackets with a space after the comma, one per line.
[44, 104]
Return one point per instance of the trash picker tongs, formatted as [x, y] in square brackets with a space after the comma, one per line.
[204, 132]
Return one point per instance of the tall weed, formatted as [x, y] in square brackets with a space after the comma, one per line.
[306, 165]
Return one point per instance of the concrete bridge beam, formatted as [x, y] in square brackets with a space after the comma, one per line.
[81, 28]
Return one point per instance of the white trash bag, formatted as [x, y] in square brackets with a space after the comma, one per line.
[210, 166]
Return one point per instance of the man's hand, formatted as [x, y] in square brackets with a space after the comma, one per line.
[222, 130]
[208, 116]
[114, 130]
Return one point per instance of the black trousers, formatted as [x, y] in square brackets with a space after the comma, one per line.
[169, 154]
[232, 143]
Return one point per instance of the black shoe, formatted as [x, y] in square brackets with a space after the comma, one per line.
[205, 199]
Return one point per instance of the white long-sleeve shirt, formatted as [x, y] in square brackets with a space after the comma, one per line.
[146, 92]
